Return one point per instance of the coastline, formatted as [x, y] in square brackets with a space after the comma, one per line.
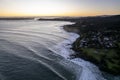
[89, 70]
[79, 54]
[92, 55]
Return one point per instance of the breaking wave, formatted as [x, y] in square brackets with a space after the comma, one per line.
[40, 50]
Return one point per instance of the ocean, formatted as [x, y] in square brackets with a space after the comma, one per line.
[40, 50]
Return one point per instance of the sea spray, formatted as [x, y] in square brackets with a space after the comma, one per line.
[89, 70]
[27, 52]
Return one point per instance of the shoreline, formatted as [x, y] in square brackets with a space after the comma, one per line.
[98, 42]
[89, 70]
[89, 57]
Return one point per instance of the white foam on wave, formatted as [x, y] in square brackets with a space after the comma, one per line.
[64, 47]
[89, 70]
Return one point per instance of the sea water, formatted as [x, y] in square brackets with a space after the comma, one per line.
[40, 50]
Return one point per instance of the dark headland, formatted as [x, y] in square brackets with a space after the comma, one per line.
[99, 40]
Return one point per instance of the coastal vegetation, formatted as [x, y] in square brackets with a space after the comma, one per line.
[99, 41]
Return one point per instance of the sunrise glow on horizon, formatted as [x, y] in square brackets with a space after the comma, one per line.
[58, 7]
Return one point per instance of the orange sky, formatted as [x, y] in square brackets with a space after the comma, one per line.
[58, 7]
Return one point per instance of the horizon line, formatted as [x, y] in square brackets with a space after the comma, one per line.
[56, 16]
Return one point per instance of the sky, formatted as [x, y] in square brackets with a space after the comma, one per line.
[14, 8]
